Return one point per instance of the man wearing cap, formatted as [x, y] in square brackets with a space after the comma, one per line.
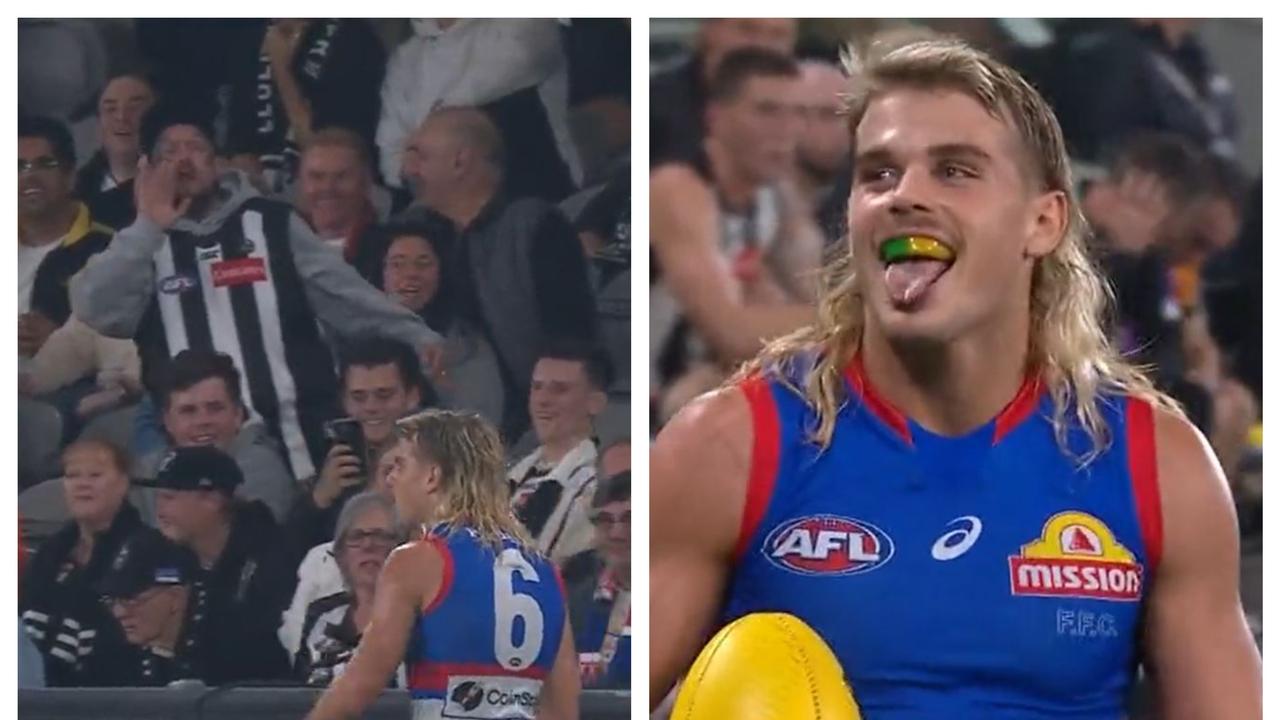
[241, 579]
[209, 264]
[147, 588]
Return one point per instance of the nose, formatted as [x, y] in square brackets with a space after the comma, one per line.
[911, 194]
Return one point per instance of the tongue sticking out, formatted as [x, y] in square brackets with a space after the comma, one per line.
[907, 280]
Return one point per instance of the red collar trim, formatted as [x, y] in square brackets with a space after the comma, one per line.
[1018, 409]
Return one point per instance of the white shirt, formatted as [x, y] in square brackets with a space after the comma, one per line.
[29, 259]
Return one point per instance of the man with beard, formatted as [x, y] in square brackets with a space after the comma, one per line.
[210, 265]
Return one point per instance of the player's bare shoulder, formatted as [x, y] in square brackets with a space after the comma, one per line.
[700, 465]
[1194, 496]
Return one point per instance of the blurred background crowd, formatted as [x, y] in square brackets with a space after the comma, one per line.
[750, 172]
[382, 216]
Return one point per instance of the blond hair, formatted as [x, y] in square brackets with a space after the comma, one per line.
[1068, 345]
[473, 482]
[335, 136]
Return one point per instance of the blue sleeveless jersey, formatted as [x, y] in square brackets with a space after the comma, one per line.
[984, 576]
[483, 646]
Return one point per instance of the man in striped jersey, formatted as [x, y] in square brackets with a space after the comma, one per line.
[552, 486]
[210, 264]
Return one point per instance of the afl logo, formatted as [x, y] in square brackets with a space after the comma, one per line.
[175, 284]
[828, 545]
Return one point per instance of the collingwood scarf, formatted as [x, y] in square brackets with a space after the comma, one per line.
[278, 149]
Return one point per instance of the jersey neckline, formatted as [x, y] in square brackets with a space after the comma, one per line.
[1013, 414]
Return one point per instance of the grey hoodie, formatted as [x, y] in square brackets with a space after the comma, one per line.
[115, 288]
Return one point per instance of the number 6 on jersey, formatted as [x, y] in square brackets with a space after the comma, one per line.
[510, 605]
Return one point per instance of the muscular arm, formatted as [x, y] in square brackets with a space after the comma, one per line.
[1198, 646]
[685, 232]
[410, 577]
[695, 517]
[559, 700]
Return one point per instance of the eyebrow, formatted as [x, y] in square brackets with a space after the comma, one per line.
[881, 154]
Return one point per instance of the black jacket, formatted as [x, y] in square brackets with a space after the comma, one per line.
[49, 295]
[236, 605]
[60, 608]
[113, 208]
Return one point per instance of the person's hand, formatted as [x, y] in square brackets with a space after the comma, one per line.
[434, 364]
[341, 470]
[1131, 211]
[99, 402]
[33, 330]
[156, 193]
[280, 47]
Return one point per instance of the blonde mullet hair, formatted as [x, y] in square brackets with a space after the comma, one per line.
[473, 482]
[1069, 297]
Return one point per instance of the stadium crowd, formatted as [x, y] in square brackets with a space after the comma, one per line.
[248, 247]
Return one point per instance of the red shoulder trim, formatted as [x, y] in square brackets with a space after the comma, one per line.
[1141, 431]
[880, 407]
[446, 577]
[765, 450]
[1020, 408]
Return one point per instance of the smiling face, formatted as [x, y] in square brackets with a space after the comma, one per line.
[45, 185]
[936, 164]
[377, 397]
[411, 272]
[203, 414]
[120, 109]
[562, 401]
[334, 187]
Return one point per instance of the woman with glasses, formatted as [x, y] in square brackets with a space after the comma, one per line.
[331, 630]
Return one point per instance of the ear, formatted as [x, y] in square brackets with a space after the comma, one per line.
[596, 402]
[240, 413]
[415, 397]
[1048, 223]
[431, 481]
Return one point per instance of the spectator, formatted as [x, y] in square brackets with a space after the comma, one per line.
[406, 262]
[513, 69]
[300, 76]
[201, 404]
[823, 152]
[735, 246]
[604, 227]
[319, 575]
[56, 233]
[335, 189]
[552, 486]
[520, 268]
[152, 591]
[75, 352]
[599, 587]
[1145, 74]
[333, 625]
[58, 604]
[255, 289]
[105, 183]
[242, 580]
[598, 53]
[677, 98]
[381, 383]
[30, 664]
[62, 66]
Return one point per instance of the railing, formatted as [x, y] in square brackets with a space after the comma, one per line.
[197, 702]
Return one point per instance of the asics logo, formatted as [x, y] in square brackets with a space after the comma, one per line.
[957, 541]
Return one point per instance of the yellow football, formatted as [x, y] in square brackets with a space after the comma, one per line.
[766, 666]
